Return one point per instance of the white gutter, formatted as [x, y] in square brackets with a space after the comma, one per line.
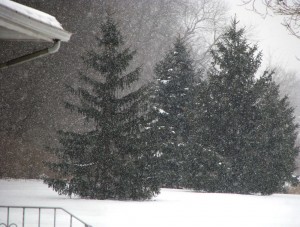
[34, 55]
[23, 23]
[33, 23]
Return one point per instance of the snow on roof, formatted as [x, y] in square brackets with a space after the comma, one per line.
[32, 13]
[29, 23]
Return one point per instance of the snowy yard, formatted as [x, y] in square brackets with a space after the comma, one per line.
[171, 208]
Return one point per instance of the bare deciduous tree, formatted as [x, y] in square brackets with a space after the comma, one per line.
[203, 22]
[152, 26]
[290, 9]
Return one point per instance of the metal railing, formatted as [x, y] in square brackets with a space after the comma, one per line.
[19, 212]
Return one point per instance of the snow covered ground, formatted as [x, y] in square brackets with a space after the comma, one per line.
[171, 208]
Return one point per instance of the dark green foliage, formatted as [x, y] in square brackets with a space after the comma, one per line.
[275, 135]
[173, 97]
[112, 159]
[243, 134]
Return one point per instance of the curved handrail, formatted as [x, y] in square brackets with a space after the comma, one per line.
[40, 208]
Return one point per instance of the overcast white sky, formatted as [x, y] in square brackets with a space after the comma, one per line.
[278, 46]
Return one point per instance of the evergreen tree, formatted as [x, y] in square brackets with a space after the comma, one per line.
[173, 96]
[273, 164]
[203, 166]
[111, 161]
[225, 110]
[235, 124]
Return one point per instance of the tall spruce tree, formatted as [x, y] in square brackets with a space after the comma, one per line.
[175, 76]
[274, 163]
[111, 161]
[224, 114]
[237, 132]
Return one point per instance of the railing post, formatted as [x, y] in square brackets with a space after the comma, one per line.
[71, 220]
[23, 220]
[7, 220]
[54, 217]
[39, 217]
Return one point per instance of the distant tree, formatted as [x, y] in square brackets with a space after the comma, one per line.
[112, 159]
[245, 131]
[173, 97]
[290, 9]
[289, 85]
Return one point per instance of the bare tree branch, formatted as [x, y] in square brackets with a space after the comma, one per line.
[290, 9]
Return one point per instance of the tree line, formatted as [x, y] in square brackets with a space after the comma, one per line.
[218, 130]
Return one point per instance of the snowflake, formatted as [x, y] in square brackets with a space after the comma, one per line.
[164, 81]
[163, 112]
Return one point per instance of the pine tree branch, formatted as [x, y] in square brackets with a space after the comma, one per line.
[125, 81]
[89, 113]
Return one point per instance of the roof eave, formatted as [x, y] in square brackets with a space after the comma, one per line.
[31, 27]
